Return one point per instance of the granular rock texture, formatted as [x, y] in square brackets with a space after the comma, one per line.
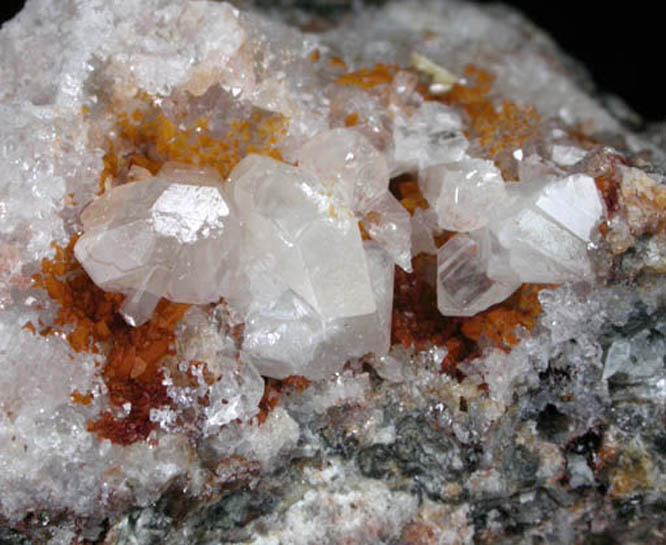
[369, 274]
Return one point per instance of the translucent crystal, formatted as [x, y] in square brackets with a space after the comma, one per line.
[639, 357]
[547, 227]
[289, 337]
[463, 193]
[574, 203]
[236, 394]
[299, 232]
[389, 224]
[424, 225]
[567, 155]
[541, 250]
[464, 286]
[346, 161]
[432, 135]
[172, 236]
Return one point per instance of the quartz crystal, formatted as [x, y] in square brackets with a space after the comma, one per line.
[172, 236]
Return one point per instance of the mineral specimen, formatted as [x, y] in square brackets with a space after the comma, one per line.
[268, 276]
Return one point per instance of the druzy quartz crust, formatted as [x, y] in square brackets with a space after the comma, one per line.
[390, 276]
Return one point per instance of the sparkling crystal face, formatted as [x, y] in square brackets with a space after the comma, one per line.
[189, 213]
[166, 236]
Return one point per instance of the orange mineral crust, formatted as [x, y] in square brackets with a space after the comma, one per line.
[147, 138]
[90, 319]
[499, 126]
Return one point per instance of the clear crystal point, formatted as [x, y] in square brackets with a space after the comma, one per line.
[464, 193]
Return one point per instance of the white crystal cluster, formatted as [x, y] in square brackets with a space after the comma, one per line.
[173, 236]
[537, 231]
[534, 230]
[281, 243]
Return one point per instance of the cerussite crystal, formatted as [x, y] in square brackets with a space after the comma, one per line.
[299, 235]
[174, 236]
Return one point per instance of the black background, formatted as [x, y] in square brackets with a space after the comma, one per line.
[622, 47]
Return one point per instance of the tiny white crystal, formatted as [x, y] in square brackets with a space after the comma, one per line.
[464, 193]
[464, 287]
[431, 136]
[236, 394]
[172, 236]
[567, 155]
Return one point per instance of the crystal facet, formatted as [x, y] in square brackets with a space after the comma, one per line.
[289, 337]
[464, 193]
[464, 286]
[298, 231]
[431, 136]
[172, 236]
[546, 228]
